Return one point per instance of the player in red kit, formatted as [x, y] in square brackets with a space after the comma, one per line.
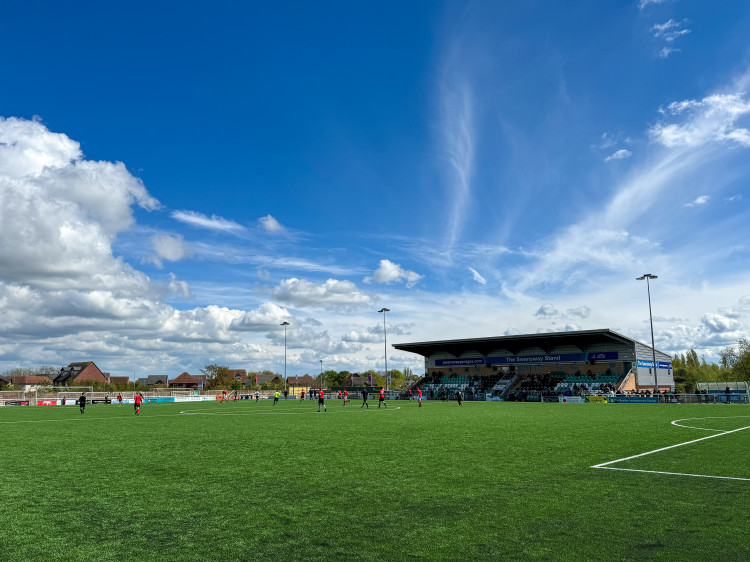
[419, 396]
[381, 399]
[138, 399]
[302, 397]
[346, 397]
[322, 400]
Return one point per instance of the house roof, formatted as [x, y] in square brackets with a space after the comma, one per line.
[119, 380]
[185, 378]
[153, 379]
[32, 379]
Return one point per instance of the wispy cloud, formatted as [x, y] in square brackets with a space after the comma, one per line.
[643, 3]
[477, 277]
[619, 155]
[669, 30]
[458, 139]
[213, 222]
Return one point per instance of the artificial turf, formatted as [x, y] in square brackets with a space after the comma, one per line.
[246, 480]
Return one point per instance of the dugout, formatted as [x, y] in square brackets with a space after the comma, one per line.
[565, 352]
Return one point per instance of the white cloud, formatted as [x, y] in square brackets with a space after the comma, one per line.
[270, 224]
[170, 248]
[547, 311]
[213, 222]
[734, 198]
[700, 200]
[389, 272]
[664, 52]
[477, 277]
[643, 3]
[60, 283]
[619, 155]
[458, 139]
[179, 287]
[334, 294]
[712, 119]
[580, 312]
[59, 214]
[669, 30]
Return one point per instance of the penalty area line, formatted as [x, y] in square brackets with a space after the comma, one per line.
[673, 473]
[605, 465]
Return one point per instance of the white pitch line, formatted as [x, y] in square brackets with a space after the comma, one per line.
[604, 464]
[673, 473]
[676, 424]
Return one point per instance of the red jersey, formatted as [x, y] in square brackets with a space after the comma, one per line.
[138, 399]
[322, 395]
[382, 394]
[419, 392]
[303, 395]
[346, 394]
[119, 397]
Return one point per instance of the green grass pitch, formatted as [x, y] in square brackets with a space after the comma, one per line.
[246, 481]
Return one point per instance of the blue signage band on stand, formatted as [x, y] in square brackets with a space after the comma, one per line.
[522, 359]
[648, 364]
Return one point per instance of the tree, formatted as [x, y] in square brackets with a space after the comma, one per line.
[737, 361]
[218, 376]
[397, 379]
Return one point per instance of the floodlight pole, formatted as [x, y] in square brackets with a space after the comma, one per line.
[285, 324]
[385, 345]
[648, 276]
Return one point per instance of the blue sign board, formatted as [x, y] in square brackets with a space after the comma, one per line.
[649, 364]
[528, 359]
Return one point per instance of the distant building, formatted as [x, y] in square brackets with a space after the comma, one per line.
[185, 380]
[31, 383]
[240, 375]
[120, 381]
[262, 379]
[76, 374]
[153, 380]
[303, 382]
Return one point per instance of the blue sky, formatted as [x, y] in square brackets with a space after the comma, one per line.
[177, 180]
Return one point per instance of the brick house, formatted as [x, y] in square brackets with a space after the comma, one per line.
[76, 374]
[120, 381]
[240, 375]
[185, 380]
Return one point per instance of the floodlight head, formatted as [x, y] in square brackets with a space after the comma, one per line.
[285, 323]
[646, 276]
[384, 310]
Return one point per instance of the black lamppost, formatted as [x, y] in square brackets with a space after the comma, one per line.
[385, 345]
[285, 324]
[648, 276]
